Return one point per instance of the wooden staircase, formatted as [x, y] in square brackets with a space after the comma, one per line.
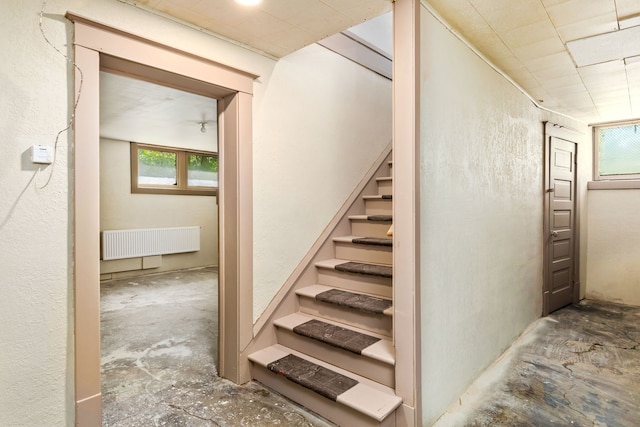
[335, 354]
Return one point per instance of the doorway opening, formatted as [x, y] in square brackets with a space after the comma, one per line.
[158, 295]
[99, 47]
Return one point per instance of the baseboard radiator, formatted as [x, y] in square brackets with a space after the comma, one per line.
[120, 244]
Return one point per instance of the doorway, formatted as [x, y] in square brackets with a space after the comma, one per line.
[99, 47]
[560, 220]
[158, 299]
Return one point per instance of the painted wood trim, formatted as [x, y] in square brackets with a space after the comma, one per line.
[406, 208]
[353, 48]
[86, 239]
[108, 40]
[614, 185]
[239, 218]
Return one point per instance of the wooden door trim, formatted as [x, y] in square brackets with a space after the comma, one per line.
[98, 45]
[552, 130]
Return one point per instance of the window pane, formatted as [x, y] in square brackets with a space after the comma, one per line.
[202, 171]
[619, 150]
[157, 167]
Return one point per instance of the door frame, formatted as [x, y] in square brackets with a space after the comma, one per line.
[552, 130]
[98, 46]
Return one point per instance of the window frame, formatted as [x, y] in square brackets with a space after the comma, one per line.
[596, 153]
[182, 167]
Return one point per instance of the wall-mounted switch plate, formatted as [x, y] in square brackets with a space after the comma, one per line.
[42, 154]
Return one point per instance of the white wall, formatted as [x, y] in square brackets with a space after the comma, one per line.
[120, 209]
[320, 125]
[481, 175]
[613, 267]
[314, 138]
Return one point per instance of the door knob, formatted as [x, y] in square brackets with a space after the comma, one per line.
[554, 234]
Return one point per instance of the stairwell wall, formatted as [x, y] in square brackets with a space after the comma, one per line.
[481, 178]
[309, 108]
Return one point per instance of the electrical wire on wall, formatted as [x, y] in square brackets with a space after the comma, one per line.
[76, 101]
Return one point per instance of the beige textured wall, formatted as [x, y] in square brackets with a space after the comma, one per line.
[305, 166]
[322, 122]
[481, 215]
[120, 209]
[613, 268]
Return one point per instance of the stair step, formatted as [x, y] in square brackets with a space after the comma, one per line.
[373, 241]
[342, 397]
[375, 250]
[364, 268]
[385, 185]
[335, 273]
[363, 352]
[367, 312]
[381, 204]
[370, 225]
[348, 338]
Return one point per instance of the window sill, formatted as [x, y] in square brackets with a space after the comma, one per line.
[614, 185]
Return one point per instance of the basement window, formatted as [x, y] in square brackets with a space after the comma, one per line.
[168, 170]
[617, 152]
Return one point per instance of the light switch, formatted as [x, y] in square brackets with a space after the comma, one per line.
[42, 154]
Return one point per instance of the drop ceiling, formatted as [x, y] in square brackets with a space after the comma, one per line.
[538, 43]
[535, 42]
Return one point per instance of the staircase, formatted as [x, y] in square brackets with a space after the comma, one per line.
[335, 354]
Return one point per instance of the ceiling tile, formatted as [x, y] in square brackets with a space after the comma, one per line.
[575, 11]
[627, 8]
[539, 49]
[590, 27]
[529, 34]
[518, 13]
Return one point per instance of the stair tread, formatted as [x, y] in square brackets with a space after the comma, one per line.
[361, 302]
[375, 401]
[378, 197]
[343, 336]
[357, 267]
[384, 178]
[375, 218]
[373, 241]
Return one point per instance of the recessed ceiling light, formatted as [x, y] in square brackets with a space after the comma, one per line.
[249, 2]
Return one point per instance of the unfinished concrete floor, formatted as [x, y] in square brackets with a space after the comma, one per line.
[578, 367]
[159, 349]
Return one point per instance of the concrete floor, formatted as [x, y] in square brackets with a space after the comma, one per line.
[578, 367]
[159, 349]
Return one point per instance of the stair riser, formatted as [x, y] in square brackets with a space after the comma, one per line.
[377, 323]
[378, 207]
[373, 285]
[364, 253]
[370, 228]
[335, 412]
[370, 368]
[385, 187]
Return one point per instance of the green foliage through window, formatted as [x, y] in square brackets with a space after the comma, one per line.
[167, 170]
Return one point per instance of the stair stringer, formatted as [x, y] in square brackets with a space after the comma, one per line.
[285, 301]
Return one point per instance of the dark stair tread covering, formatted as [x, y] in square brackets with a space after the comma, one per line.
[387, 196]
[366, 303]
[368, 269]
[323, 381]
[375, 241]
[336, 336]
[381, 218]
